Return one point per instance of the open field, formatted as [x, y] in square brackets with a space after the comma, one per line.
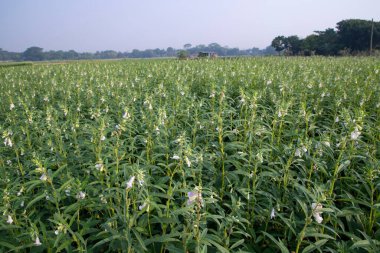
[238, 155]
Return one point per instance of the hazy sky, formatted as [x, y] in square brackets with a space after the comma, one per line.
[122, 25]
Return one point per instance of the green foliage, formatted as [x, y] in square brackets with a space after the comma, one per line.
[238, 155]
[182, 55]
[355, 34]
[351, 36]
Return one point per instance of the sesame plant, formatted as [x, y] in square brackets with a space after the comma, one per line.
[226, 155]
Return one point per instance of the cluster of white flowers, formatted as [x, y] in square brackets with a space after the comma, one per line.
[61, 228]
[11, 106]
[7, 138]
[195, 196]
[100, 166]
[126, 115]
[300, 151]
[148, 104]
[81, 195]
[8, 142]
[140, 180]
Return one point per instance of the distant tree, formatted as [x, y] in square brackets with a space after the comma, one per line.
[33, 54]
[310, 44]
[269, 50]
[355, 34]
[279, 43]
[187, 46]
[255, 51]
[170, 52]
[182, 55]
[293, 44]
[71, 55]
[328, 42]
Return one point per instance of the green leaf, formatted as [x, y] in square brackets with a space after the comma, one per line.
[139, 239]
[219, 247]
[365, 244]
[8, 245]
[314, 246]
[279, 243]
[35, 200]
[237, 244]
[111, 238]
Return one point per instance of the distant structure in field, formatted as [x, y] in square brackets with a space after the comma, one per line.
[207, 55]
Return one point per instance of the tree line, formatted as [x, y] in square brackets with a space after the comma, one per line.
[38, 54]
[351, 37]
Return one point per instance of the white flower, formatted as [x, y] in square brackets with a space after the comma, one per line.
[260, 157]
[11, 106]
[355, 134]
[141, 207]
[182, 93]
[317, 211]
[188, 162]
[8, 142]
[99, 166]
[37, 242]
[194, 196]
[43, 177]
[103, 138]
[126, 115]
[212, 94]
[130, 182]
[81, 195]
[175, 157]
[272, 214]
[56, 232]
[9, 220]
[103, 199]
[326, 143]
[298, 153]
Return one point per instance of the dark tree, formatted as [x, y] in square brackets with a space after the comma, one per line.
[279, 43]
[182, 55]
[328, 42]
[355, 34]
[33, 54]
[294, 45]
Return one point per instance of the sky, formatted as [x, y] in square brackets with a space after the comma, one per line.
[124, 25]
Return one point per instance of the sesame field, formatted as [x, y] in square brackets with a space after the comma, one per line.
[228, 155]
